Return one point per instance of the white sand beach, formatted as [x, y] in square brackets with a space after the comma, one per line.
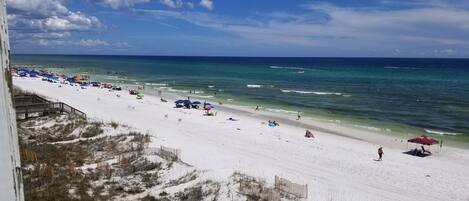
[338, 164]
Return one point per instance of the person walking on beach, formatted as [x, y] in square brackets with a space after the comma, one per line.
[299, 116]
[380, 153]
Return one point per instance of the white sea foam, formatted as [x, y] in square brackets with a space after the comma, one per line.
[199, 96]
[400, 67]
[210, 86]
[111, 77]
[311, 92]
[369, 128]
[281, 111]
[441, 132]
[177, 90]
[198, 92]
[156, 84]
[253, 86]
[287, 67]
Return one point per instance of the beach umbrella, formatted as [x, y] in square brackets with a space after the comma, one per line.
[179, 101]
[423, 139]
[187, 102]
[196, 103]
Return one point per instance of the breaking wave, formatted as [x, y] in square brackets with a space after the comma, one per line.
[400, 67]
[371, 128]
[156, 84]
[441, 132]
[253, 86]
[177, 90]
[281, 111]
[311, 92]
[199, 96]
[111, 77]
[287, 67]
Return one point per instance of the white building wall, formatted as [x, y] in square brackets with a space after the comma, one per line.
[11, 187]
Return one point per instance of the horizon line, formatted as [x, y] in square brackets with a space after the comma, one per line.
[218, 56]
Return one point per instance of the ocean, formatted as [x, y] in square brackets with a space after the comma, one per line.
[390, 95]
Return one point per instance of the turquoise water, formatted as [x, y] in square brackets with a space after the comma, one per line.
[399, 95]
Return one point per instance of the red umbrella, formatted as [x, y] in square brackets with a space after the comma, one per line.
[423, 139]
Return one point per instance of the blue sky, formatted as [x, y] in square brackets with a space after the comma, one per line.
[348, 28]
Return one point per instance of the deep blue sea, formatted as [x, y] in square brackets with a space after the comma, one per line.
[387, 94]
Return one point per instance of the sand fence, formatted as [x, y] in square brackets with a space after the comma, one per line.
[285, 185]
[256, 187]
[167, 153]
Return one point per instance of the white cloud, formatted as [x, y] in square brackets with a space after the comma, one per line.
[53, 35]
[93, 43]
[47, 15]
[46, 22]
[115, 4]
[45, 42]
[121, 45]
[37, 7]
[190, 4]
[376, 30]
[172, 3]
[208, 4]
[73, 21]
[86, 43]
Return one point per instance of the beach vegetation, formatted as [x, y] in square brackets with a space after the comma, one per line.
[114, 124]
[69, 158]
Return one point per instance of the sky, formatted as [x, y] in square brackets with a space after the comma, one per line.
[290, 28]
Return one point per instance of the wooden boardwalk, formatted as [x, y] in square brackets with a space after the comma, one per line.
[34, 104]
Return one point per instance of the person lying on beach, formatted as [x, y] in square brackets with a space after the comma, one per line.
[273, 123]
[309, 134]
[163, 100]
[231, 119]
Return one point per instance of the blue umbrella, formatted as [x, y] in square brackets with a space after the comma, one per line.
[187, 102]
[179, 101]
[207, 104]
[196, 103]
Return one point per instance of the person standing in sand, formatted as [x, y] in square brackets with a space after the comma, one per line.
[299, 116]
[380, 153]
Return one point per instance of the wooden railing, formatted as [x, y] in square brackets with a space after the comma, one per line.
[26, 105]
[29, 99]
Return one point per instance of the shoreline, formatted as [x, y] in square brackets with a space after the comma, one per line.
[389, 129]
[335, 167]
